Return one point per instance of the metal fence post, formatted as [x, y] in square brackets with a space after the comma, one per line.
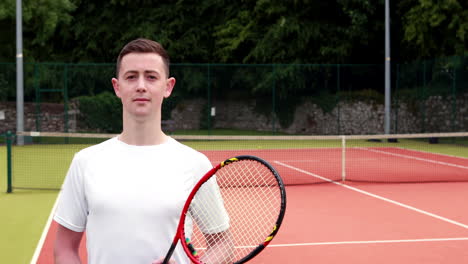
[9, 137]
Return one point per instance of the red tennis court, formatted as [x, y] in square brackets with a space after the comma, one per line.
[395, 206]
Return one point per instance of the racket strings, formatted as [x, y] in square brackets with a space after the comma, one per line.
[249, 193]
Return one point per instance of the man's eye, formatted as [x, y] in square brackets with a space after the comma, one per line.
[130, 77]
[152, 77]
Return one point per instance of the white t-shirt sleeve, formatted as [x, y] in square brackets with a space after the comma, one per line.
[207, 208]
[72, 207]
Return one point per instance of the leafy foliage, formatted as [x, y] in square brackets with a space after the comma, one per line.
[435, 28]
[41, 21]
[303, 32]
[101, 113]
[219, 31]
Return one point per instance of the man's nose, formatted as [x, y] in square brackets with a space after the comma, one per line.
[141, 85]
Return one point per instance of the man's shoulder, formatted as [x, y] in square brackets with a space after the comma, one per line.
[96, 149]
[185, 151]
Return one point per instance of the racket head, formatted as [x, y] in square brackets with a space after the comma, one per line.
[233, 212]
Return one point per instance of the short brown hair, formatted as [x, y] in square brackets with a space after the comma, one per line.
[142, 45]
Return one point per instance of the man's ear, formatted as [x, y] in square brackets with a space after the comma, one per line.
[115, 84]
[170, 83]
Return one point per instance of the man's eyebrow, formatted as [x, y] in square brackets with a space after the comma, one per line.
[129, 72]
[146, 72]
[152, 71]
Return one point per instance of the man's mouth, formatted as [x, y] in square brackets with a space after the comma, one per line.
[141, 100]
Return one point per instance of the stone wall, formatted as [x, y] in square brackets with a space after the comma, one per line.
[346, 118]
[437, 114]
[51, 118]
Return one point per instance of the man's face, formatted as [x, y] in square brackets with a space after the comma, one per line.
[142, 84]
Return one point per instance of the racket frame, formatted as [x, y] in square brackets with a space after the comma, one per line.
[180, 228]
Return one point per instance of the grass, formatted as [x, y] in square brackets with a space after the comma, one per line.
[48, 162]
[24, 215]
[224, 132]
[25, 212]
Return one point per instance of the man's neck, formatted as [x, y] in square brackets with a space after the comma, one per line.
[142, 133]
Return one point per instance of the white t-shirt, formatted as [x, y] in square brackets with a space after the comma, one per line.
[129, 199]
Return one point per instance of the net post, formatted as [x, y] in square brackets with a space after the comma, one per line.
[9, 137]
[65, 97]
[343, 158]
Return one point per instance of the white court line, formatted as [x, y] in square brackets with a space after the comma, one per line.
[371, 242]
[376, 196]
[307, 160]
[40, 244]
[416, 158]
[328, 161]
[433, 153]
[357, 242]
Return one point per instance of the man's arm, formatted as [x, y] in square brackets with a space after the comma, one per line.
[66, 248]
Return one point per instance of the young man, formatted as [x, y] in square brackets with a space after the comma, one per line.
[128, 192]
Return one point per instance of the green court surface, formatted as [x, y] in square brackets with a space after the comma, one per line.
[24, 215]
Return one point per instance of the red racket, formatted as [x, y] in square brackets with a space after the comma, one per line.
[232, 213]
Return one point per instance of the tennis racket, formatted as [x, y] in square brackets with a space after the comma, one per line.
[232, 213]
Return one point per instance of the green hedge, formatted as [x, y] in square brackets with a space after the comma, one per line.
[101, 113]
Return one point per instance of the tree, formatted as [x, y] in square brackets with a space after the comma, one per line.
[435, 28]
[261, 31]
[40, 21]
[101, 28]
[299, 31]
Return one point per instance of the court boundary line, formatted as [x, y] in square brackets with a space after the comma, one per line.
[415, 158]
[376, 196]
[371, 242]
[45, 232]
[435, 153]
[357, 242]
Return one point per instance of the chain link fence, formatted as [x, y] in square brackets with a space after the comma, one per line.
[427, 97]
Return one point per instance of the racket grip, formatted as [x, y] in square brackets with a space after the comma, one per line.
[169, 253]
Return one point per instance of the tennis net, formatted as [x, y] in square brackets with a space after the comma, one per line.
[43, 160]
